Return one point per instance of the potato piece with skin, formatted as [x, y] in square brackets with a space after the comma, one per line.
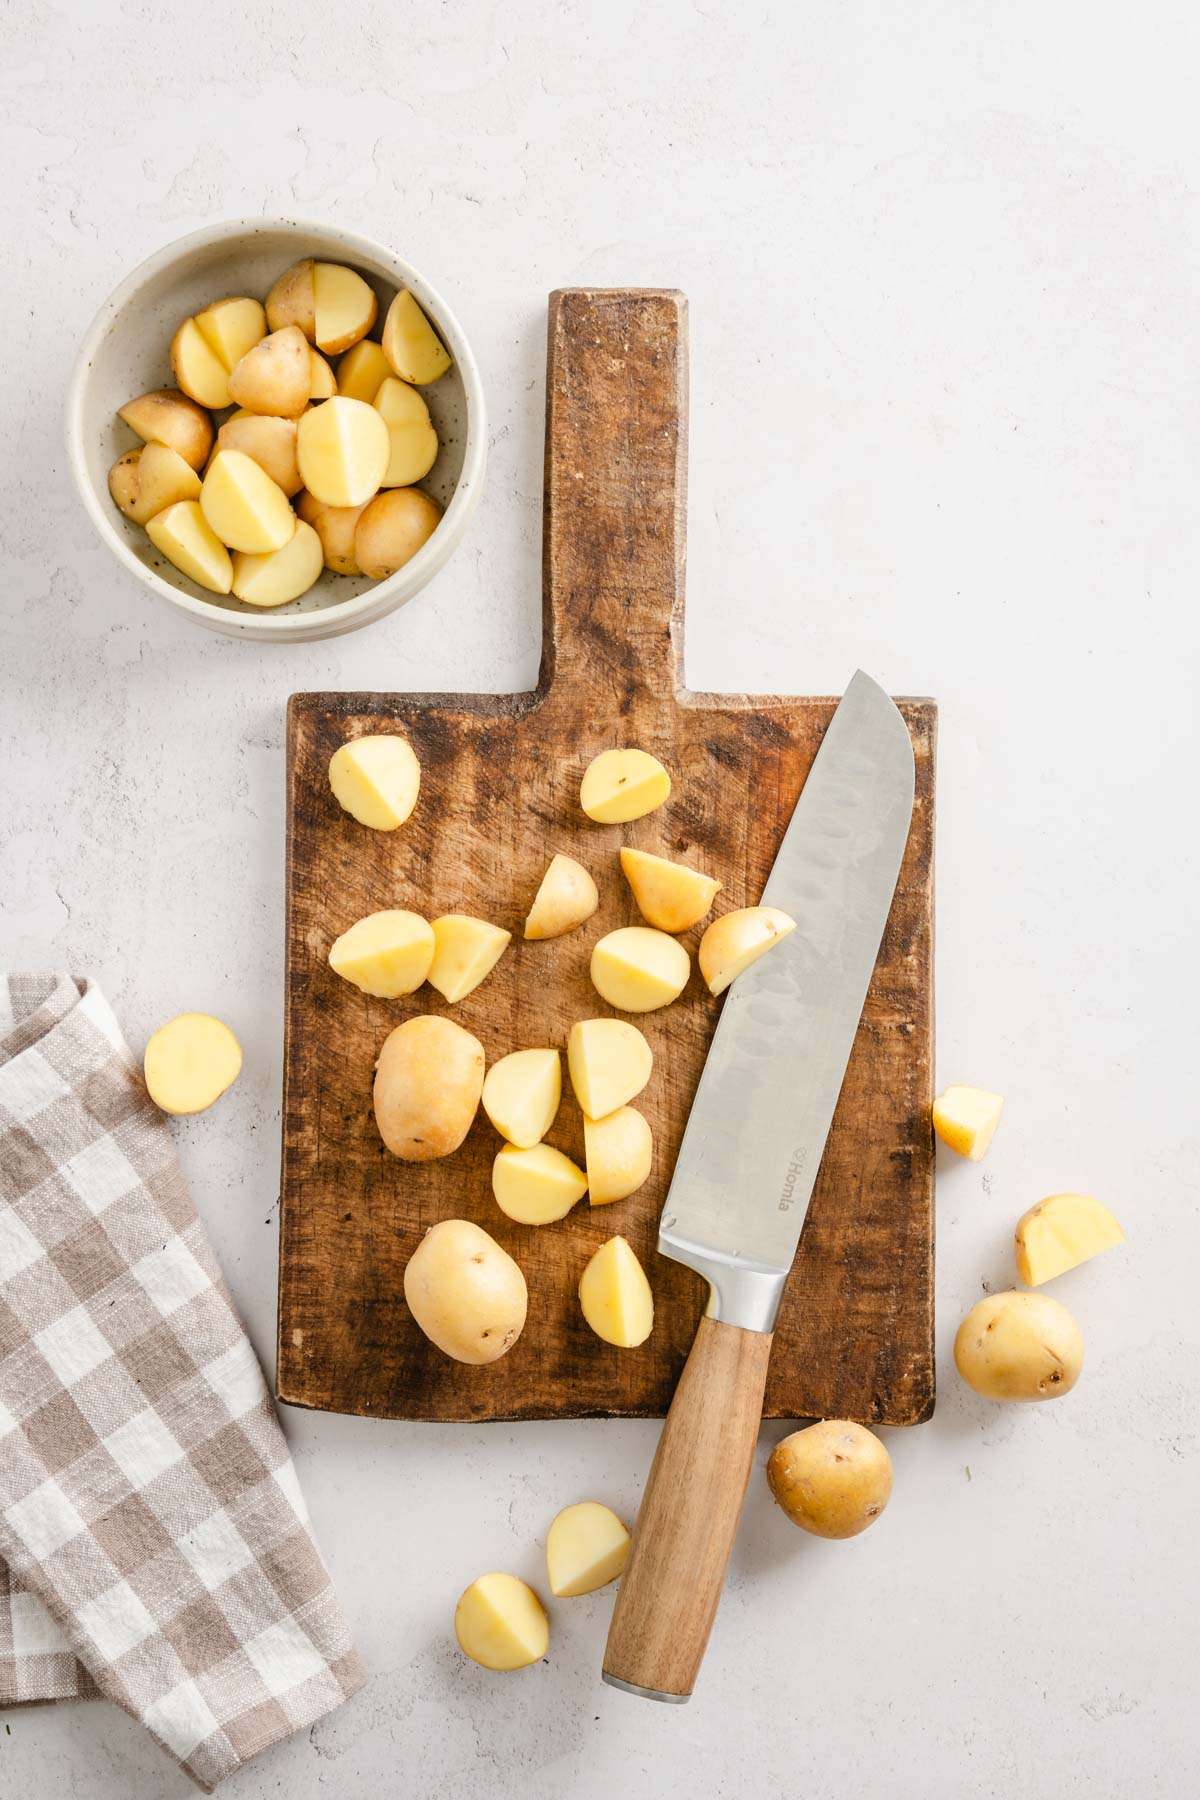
[587, 1546]
[391, 530]
[362, 372]
[638, 970]
[467, 950]
[536, 1186]
[501, 1624]
[669, 895]
[231, 327]
[414, 444]
[1061, 1232]
[737, 939]
[186, 539]
[190, 1062]
[343, 449]
[427, 1085]
[615, 1296]
[291, 300]
[376, 779]
[243, 506]
[833, 1478]
[410, 343]
[123, 484]
[344, 307]
[274, 377]
[387, 954]
[197, 368]
[565, 899]
[334, 525]
[966, 1118]
[609, 1062]
[619, 1150]
[620, 785]
[271, 442]
[166, 416]
[521, 1095]
[322, 382]
[277, 576]
[465, 1293]
[1017, 1346]
[146, 481]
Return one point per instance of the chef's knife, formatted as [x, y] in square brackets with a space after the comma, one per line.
[745, 1174]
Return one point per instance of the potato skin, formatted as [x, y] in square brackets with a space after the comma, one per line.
[833, 1478]
[392, 528]
[467, 1294]
[1017, 1346]
[427, 1085]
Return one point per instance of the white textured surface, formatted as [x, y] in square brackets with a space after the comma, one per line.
[942, 261]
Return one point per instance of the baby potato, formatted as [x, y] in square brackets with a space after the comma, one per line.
[376, 779]
[344, 307]
[467, 950]
[427, 1085]
[638, 970]
[165, 416]
[197, 367]
[587, 1546]
[322, 382]
[274, 376]
[414, 444]
[1061, 1232]
[410, 343]
[1016, 1346]
[362, 371]
[615, 1296]
[521, 1094]
[833, 1478]
[566, 898]
[393, 527]
[621, 785]
[273, 577]
[387, 954]
[145, 482]
[186, 538]
[465, 1293]
[966, 1118]
[619, 1150]
[669, 895]
[291, 300]
[190, 1062]
[334, 525]
[736, 940]
[536, 1186]
[270, 442]
[609, 1061]
[343, 448]
[501, 1624]
[243, 505]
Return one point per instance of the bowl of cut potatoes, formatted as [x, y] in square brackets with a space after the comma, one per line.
[279, 428]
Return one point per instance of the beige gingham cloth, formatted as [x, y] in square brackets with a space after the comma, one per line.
[154, 1544]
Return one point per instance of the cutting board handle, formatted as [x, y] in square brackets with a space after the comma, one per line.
[689, 1515]
[615, 505]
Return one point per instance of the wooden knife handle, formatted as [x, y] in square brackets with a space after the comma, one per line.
[689, 1514]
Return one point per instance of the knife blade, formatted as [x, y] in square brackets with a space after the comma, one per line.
[745, 1174]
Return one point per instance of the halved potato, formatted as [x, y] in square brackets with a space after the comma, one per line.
[165, 416]
[410, 343]
[610, 1061]
[197, 367]
[230, 327]
[966, 1118]
[334, 525]
[290, 301]
[587, 1546]
[620, 785]
[637, 970]
[344, 307]
[669, 895]
[376, 779]
[387, 954]
[343, 449]
[362, 371]
[393, 527]
[501, 1624]
[190, 1061]
[243, 505]
[536, 1186]
[521, 1095]
[274, 376]
[618, 1150]
[567, 896]
[322, 383]
[271, 442]
[186, 539]
[146, 481]
[1061, 1232]
[123, 484]
[737, 939]
[273, 577]
[467, 950]
[414, 444]
[615, 1296]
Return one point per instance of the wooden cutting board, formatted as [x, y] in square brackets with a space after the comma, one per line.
[500, 794]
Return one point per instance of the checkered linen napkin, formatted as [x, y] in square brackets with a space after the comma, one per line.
[154, 1545]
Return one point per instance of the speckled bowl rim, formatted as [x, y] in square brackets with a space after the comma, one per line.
[341, 615]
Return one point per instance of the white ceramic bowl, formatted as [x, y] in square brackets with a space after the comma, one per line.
[125, 353]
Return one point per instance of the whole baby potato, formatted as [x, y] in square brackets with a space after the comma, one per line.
[392, 528]
[833, 1478]
[467, 1294]
[427, 1085]
[1017, 1346]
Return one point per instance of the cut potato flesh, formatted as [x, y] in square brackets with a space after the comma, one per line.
[1060, 1233]
[197, 367]
[343, 449]
[168, 417]
[386, 954]
[190, 1062]
[277, 576]
[231, 327]
[467, 951]
[638, 970]
[146, 481]
[410, 343]
[322, 383]
[536, 1186]
[501, 1624]
[414, 444]
[521, 1095]
[271, 443]
[275, 375]
[669, 895]
[737, 939]
[567, 896]
[344, 307]
[362, 372]
[615, 1296]
[243, 505]
[619, 1150]
[186, 539]
[966, 1118]
[586, 1547]
[290, 301]
[377, 780]
[391, 530]
[619, 785]
[610, 1061]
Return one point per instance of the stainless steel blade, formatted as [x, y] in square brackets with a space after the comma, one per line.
[766, 1098]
